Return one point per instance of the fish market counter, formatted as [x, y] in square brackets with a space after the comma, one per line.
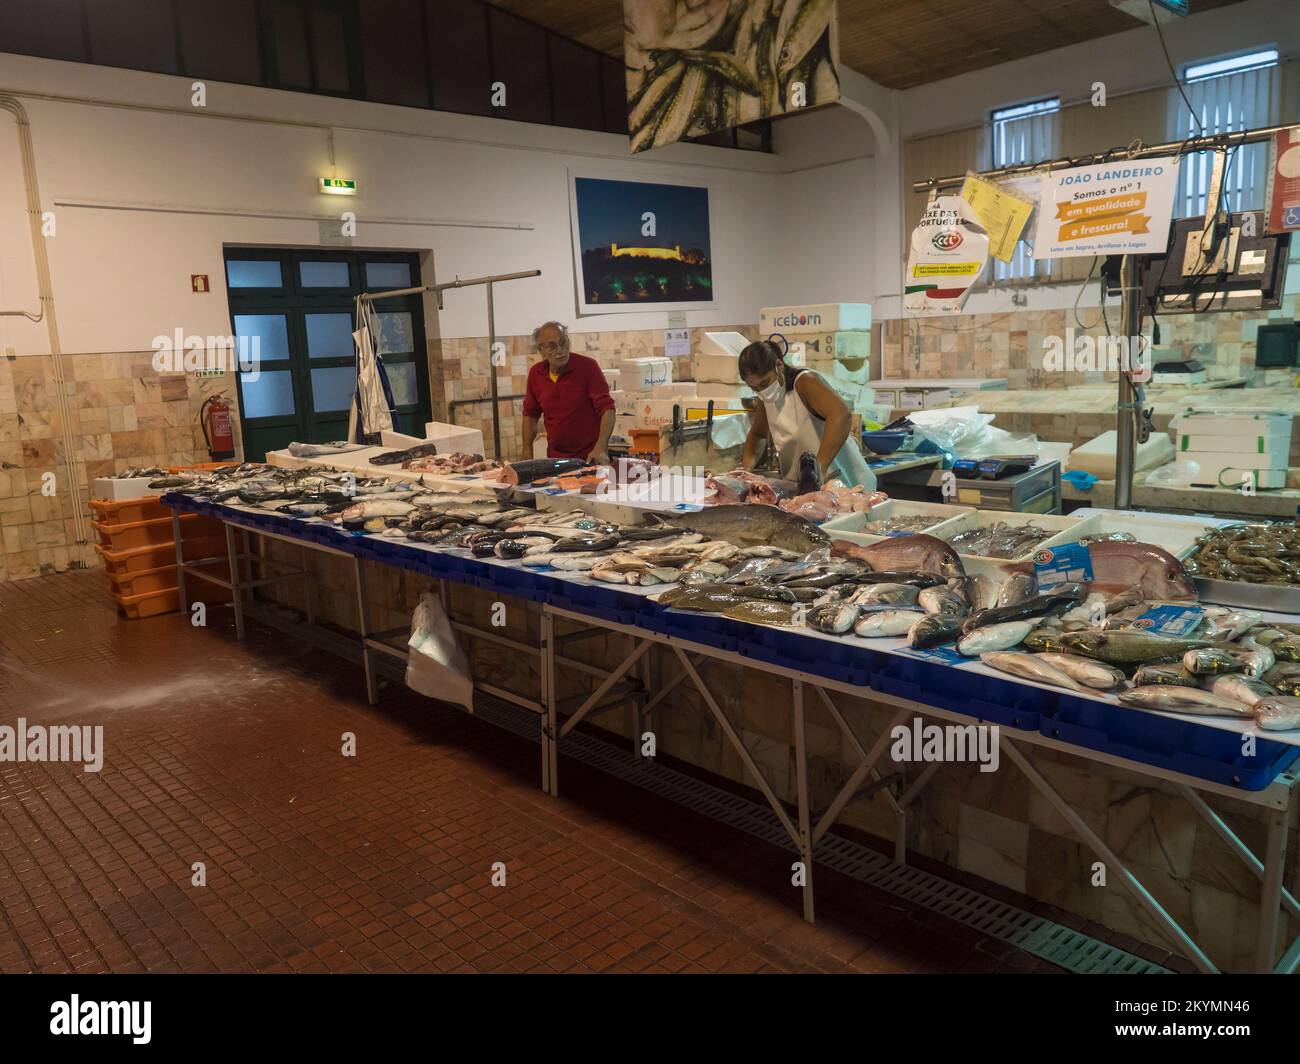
[813, 720]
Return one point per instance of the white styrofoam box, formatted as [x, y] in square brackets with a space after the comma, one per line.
[723, 343]
[853, 526]
[887, 396]
[815, 318]
[910, 399]
[452, 438]
[712, 390]
[1097, 456]
[1065, 529]
[122, 487]
[1241, 425]
[845, 345]
[1230, 471]
[642, 374]
[679, 390]
[1176, 534]
[715, 369]
[625, 403]
[1264, 452]
[834, 369]
[611, 378]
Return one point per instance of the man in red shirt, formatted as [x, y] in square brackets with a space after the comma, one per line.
[569, 392]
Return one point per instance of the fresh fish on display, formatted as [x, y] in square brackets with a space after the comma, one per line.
[885, 576]
[1044, 639]
[509, 548]
[1142, 567]
[420, 450]
[1285, 676]
[1285, 647]
[760, 611]
[942, 600]
[932, 630]
[319, 450]
[1107, 537]
[1000, 540]
[1208, 661]
[886, 526]
[979, 592]
[918, 553]
[1279, 713]
[1233, 623]
[1172, 674]
[1190, 700]
[1128, 646]
[750, 526]
[1255, 659]
[993, 637]
[1029, 667]
[1241, 689]
[835, 618]
[1090, 673]
[1060, 598]
[533, 469]
[774, 592]
[656, 575]
[885, 595]
[574, 563]
[1254, 553]
[873, 624]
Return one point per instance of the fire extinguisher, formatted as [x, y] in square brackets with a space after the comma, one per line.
[218, 433]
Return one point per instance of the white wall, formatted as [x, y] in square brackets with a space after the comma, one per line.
[122, 277]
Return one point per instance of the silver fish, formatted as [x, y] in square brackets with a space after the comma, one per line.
[1208, 661]
[1280, 713]
[1018, 587]
[1255, 659]
[885, 595]
[877, 623]
[994, 637]
[1190, 700]
[943, 600]
[835, 618]
[1030, 667]
[1086, 671]
[1241, 689]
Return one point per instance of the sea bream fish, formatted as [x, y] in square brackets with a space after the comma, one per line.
[1279, 713]
[917, 552]
[1152, 570]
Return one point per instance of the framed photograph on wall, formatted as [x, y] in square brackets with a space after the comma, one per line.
[640, 245]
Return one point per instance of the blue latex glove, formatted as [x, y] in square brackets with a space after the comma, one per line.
[1079, 479]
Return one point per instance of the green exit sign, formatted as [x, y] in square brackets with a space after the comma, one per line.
[338, 186]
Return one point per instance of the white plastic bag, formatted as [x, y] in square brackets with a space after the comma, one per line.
[436, 666]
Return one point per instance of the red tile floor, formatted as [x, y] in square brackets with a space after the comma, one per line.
[229, 755]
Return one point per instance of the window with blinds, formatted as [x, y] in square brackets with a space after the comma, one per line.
[1025, 133]
[1225, 95]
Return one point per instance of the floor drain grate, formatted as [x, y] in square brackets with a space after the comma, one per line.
[1072, 950]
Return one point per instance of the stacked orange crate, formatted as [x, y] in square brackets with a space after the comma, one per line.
[139, 553]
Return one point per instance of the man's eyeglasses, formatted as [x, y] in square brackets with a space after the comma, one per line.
[551, 345]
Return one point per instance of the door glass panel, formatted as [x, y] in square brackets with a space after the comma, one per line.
[332, 387]
[267, 394]
[262, 336]
[395, 334]
[388, 275]
[402, 380]
[329, 335]
[253, 273]
[323, 274]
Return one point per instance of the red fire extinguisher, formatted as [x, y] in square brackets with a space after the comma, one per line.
[218, 433]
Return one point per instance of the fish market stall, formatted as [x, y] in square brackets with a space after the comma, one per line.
[1093, 663]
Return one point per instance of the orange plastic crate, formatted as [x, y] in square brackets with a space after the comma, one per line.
[128, 585]
[168, 600]
[645, 443]
[154, 555]
[130, 534]
[128, 511]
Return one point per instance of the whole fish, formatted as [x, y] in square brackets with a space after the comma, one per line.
[575, 563]
[1279, 713]
[810, 474]
[888, 576]
[1157, 574]
[885, 595]
[1171, 675]
[700, 600]
[1029, 667]
[772, 592]
[943, 600]
[1240, 689]
[1127, 646]
[1017, 588]
[319, 450]
[932, 630]
[759, 611]
[655, 575]
[874, 624]
[753, 525]
[1086, 671]
[1208, 661]
[1061, 597]
[1044, 639]
[526, 472]
[993, 637]
[835, 618]
[583, 544]
[918, 552]
[1191, 700]
[1255, 659]
[1285, 676]
[420, 450]
[508, 548]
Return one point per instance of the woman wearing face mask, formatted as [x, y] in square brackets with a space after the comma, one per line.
[800, 413]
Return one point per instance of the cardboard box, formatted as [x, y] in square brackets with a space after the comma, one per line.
[642, 374]
[716, 369]
[817, 318]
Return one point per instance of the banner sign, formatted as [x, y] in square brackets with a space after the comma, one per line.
[1122, 207]
[1283, 194]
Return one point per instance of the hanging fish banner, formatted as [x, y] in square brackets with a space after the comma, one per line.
[696, 67]
[947, 255]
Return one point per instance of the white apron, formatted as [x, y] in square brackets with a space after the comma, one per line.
[796, 429]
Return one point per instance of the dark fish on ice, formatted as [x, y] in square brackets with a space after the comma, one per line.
[420, 450]
[752, 525]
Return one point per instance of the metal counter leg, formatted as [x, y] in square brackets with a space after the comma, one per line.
[801, 786]
[363, 622]
[549, 729]
[236, 591]
[308, 589]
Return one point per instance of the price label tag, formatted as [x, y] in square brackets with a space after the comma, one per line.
[946, 654]
[1174, 621]
[1056, 565]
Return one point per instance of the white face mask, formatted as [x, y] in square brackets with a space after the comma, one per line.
[772, 392]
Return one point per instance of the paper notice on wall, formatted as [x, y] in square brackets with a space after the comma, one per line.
[677, 342]
[1283, 193]
[1117, 208]
[1001, 212]
[948, 253]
